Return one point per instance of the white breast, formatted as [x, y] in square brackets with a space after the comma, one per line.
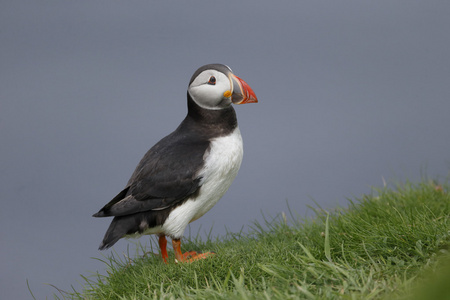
[222, 163]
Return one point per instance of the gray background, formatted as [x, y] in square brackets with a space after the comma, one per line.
[350, 92]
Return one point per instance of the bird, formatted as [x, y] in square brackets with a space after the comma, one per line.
[187, 172]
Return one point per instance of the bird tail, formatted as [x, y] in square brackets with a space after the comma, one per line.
[119, 227]
[100, 214]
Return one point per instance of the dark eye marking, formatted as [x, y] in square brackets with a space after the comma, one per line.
[212, 80]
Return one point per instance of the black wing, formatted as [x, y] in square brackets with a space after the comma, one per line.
[166, 175]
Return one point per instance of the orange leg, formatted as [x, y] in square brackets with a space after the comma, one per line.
[187, 256]
[163, 246]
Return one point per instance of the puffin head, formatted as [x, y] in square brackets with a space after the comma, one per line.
[215, 87]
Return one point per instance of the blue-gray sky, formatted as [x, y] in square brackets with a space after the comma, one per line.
[350, 92]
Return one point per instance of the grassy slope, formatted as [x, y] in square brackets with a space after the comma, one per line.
[377, 248]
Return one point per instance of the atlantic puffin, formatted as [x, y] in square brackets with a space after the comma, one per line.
[184, 175]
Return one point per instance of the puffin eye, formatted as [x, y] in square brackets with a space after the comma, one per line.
[212, 80]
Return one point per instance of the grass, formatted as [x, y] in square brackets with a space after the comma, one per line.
[382, 246]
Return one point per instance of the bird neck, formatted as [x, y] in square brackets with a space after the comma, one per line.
[222, 118]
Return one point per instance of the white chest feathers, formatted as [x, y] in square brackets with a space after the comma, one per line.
[222, 163]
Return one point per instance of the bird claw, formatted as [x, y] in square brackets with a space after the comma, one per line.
[191, 256]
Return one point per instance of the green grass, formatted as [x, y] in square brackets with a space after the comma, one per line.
[383, 246]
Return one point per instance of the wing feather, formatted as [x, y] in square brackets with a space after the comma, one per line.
[166, 176]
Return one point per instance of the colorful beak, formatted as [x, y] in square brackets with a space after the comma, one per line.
[242, 92]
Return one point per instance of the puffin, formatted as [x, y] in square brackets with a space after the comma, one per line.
[186, 173]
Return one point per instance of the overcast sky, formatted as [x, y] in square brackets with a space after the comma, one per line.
[350, 92]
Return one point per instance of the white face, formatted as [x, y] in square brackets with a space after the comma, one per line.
[208, 88]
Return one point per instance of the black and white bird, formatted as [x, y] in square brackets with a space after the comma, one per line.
[184, 175]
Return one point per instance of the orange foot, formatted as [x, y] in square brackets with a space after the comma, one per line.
[192, 256]
[189, 256]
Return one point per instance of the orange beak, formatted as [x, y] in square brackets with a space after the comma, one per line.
[242, 92]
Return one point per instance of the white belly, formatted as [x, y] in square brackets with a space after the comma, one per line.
[221, 167]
